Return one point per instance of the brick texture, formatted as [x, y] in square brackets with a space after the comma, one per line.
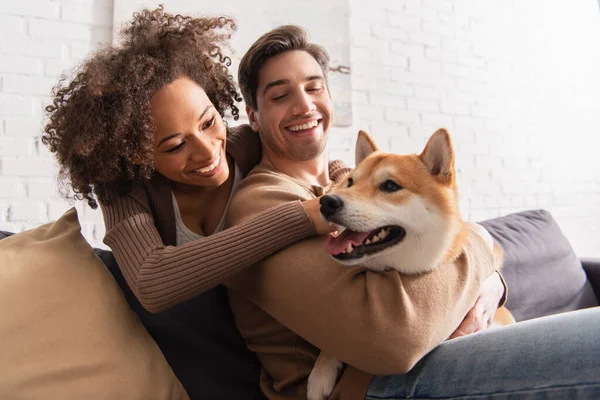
[516, 83]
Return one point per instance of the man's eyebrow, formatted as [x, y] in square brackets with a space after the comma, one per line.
[208, 107]
[280, 82]
[315, 78]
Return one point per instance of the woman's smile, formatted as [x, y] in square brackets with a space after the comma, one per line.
[215, 166]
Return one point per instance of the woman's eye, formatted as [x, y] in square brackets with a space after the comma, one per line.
[390, 186]
[209, 123]
[350, 182]
[174, 149]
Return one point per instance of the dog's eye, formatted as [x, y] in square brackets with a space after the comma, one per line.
[350, 182]
[390, 186]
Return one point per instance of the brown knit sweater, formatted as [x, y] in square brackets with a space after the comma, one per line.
[140, 230]
[300, 300]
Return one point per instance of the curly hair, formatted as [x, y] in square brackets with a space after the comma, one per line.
[99, 124]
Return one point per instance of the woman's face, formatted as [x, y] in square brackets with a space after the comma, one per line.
[189, 135]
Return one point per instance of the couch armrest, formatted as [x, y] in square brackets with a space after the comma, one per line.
[592, 269]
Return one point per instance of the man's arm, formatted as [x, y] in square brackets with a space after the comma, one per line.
[381, 323]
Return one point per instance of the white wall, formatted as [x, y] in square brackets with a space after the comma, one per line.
[38, 40]
[516, 82]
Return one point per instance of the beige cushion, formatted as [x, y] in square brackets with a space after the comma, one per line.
[66, 331]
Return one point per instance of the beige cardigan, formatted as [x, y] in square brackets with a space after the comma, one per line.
[300, 300]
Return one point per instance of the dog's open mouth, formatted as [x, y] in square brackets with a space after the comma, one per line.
[351, 244]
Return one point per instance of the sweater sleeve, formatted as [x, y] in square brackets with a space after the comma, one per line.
[379, 322]
[163, 276]
[338, 170]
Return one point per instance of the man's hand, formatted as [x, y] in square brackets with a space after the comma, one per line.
[312, 208]
[481, 315]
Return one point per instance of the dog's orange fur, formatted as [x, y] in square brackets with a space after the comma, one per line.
[412, 171]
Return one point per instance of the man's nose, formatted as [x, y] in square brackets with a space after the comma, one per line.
[303, 104]
[330, 204]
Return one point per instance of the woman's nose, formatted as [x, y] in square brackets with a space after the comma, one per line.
[203, 147]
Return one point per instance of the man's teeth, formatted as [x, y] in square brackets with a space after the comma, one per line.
[211, 166]
[307, 125]
[382, 234]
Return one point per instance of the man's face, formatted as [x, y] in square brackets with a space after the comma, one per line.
[294, 107]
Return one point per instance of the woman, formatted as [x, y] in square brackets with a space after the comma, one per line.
[140, 130]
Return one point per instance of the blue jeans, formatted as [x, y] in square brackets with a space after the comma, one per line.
[556, 357]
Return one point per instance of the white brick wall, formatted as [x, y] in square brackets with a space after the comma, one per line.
[39, 39]
[516, 82]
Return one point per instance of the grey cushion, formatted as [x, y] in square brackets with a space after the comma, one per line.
[542, 272]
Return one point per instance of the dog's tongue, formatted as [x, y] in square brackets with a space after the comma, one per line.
[335, 245]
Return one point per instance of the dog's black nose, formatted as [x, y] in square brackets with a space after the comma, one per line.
[330, 204]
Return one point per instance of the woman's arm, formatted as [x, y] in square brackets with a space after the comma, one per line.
[162, 276]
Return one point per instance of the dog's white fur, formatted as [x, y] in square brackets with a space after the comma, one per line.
[323, 377]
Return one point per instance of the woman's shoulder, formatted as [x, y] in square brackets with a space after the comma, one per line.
[147, 204]
[146, 196]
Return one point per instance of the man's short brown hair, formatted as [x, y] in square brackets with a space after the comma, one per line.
[271, 44]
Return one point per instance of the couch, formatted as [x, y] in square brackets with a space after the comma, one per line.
[543, 274]
[38, 268]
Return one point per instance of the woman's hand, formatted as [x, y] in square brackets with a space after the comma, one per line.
[312, 208]
[482, 314]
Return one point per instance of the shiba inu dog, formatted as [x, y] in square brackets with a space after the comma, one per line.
[396, 212]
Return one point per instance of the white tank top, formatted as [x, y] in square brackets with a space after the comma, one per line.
[184, 234]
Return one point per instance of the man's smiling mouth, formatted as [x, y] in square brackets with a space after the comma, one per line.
[301, 127]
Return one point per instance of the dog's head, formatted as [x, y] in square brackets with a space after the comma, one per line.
[395, 208]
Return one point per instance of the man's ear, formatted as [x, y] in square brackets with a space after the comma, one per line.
[365, 145]
[252, 119]
[438, 156]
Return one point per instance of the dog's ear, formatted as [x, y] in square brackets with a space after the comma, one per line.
[365, 145]
[438, 156]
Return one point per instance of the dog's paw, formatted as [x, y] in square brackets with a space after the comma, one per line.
[322, 378]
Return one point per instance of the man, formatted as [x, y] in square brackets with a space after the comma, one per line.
[299, 300]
